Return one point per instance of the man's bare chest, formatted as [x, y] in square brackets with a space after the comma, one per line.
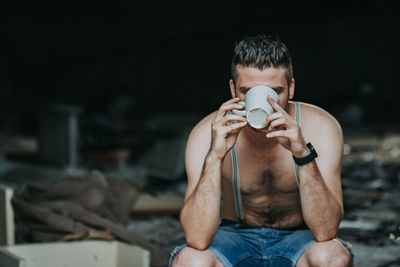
[262, 175]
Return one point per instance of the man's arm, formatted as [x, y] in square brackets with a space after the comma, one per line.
[319, 180]
[200, 213]
[206, 148]
[320, 187]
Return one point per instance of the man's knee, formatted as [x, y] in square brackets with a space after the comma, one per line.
[195, 258]
[329, 253]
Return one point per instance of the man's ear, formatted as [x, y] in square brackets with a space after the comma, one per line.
[291, 89]
[232, 87]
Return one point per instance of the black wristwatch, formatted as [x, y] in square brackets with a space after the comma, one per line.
[306, 159]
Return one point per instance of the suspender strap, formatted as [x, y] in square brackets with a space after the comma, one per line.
[236, 185]
[297, 116]
[236, 174]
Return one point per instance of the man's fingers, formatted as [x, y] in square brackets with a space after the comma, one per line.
[231, 106]
[232, 100]
[273, 117]
[276, 123]
[223, 130]
[281, 133]
[274, 105]
[236, 126]
[223, 127]
[233, 117]
[228, 105]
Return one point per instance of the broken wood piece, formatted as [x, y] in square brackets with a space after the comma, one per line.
[164, 203]
[89, 234]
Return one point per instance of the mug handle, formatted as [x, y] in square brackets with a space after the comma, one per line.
[239, 112]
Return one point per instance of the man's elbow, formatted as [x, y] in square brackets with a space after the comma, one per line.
[325, 234]
[198, 243]
[197, 239]
[329, 230]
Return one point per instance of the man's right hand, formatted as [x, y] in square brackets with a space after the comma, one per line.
[224, 134]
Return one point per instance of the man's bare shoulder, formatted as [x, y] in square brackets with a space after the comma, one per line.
[202, 128]
[197, 148]
[199, 140]
[325, 133]
[318, 120]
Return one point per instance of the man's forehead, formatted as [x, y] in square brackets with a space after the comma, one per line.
[250, 76]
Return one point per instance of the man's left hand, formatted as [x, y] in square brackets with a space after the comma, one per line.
[284, 127]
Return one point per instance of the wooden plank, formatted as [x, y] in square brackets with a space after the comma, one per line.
[72, 254]
[7, 232]
[128, 257]
[164, 203]
[10, 260]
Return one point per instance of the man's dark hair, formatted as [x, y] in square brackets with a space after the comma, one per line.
[261, 52]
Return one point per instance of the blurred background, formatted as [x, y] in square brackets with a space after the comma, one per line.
[175, 56]
[117, 87]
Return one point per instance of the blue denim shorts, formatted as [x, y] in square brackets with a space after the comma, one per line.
[236, 245]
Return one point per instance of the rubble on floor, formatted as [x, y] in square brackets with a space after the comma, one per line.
[164, 231]
[370, 181]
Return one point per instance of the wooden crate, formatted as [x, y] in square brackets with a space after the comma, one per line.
[74, 254]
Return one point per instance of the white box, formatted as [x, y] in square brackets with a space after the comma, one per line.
[74, 254]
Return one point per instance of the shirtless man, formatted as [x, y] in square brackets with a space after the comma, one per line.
[284, 223]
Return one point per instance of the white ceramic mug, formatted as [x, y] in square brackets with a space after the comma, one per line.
[257, 108]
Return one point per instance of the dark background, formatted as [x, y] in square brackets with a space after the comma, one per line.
[175, 56]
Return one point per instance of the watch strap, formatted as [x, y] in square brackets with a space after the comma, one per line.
[306, 159]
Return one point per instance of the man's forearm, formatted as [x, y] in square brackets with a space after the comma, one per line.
[321, 211]
[201, 212]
